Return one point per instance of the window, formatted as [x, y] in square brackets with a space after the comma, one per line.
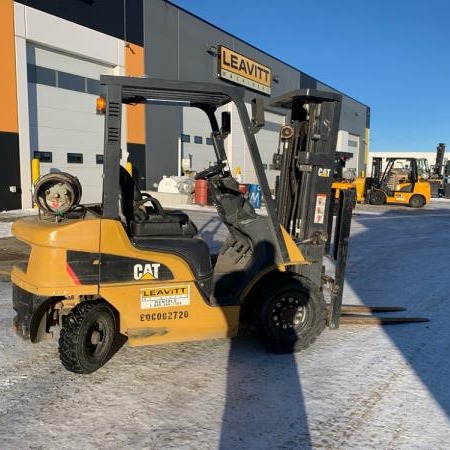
[75, 158]
[208, 141]
[41, 75]
[198, 139]
[92, 86]
[71, 82]
[43, 156]
[63, 80]
[185, 138]
[99, 159]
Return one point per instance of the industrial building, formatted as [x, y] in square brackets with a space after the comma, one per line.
[53, 54]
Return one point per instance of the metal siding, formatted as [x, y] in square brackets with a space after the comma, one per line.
[195, 38]
[106, 16]
[164, 126]
[161, 40]
[307, 82]
[137, 159]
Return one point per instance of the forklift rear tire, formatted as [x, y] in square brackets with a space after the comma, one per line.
[377, 198]
[290, 314]
[416, 201]
[87, 337]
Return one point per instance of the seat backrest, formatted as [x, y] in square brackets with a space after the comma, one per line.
[130, 194]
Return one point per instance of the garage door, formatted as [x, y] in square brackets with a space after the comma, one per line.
[65, 132]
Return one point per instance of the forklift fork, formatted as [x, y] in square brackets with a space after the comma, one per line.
[351, 314]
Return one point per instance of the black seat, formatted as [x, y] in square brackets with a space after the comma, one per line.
[145, 216]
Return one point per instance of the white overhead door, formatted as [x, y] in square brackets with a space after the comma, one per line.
[267, 139]
[66, 134]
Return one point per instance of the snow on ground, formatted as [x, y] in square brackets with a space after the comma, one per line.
[5, 229]
[359, 387]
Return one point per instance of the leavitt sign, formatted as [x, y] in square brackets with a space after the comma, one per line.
[232, 66]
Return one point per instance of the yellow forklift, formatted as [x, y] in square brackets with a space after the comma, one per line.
[346, 179]
[404, 181]
[128, 269]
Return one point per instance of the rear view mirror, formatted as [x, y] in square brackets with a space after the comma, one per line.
[226, 123]
[257, 114]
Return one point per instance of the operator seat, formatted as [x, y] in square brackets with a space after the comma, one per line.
[147, 221]
[152, 228]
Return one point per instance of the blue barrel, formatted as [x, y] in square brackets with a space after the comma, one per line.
[254, 195]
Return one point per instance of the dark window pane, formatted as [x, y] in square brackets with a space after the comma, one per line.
[92, 86]
[264, 166]
[43, 156]
[99, 159]
[185, 138]
[198, 139]
[75, 158]
[208, 141]
[72, 82]
[41, 75]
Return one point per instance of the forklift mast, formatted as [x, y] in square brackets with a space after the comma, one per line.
[439, 165]
[340, 160]
[306, 159]
[376, 170]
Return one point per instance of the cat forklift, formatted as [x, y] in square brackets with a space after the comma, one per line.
[404, 181]
[130, 270]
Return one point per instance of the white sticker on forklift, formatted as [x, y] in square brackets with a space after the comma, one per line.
[319, 213]
[164, 297]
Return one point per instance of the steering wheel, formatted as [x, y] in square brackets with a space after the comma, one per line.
[210, 171]
[140, 214]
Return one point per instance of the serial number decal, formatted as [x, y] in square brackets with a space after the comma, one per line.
[170, 315]
[165, 297]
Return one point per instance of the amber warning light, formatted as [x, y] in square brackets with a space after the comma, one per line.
[100, 105]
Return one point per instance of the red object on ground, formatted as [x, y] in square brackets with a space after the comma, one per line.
[201, 192]
[244, 189]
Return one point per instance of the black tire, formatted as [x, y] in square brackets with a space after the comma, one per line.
[377, 197]
[289, 315]
[87, 337]
[416, 201]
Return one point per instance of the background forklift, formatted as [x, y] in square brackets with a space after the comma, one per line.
[437, 173]
[130, 270]
[403, 181]
[344, 179]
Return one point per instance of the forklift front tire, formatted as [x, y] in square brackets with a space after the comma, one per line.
[87, 337]
[289, 315]
[416, 201]
[377, 198]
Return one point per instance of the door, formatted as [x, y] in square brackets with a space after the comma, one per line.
[136, 156]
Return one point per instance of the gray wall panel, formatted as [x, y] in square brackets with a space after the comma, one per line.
[164, 127]
[195, 38]
[161, 39]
